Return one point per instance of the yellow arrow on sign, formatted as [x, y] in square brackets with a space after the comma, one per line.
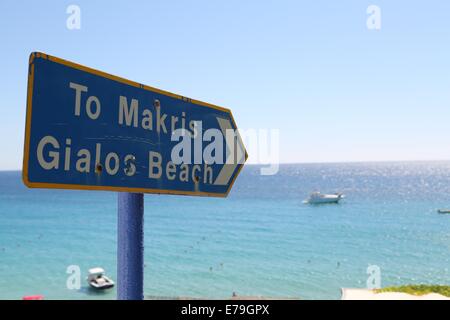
[235, 151]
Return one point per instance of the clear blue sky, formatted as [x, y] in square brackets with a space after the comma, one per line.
[336, 90]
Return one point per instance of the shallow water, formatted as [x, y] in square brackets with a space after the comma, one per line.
[261, 240]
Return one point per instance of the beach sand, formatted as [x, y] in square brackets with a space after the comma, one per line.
[367, 294]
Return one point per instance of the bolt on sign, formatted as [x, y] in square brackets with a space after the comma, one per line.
[86, 129]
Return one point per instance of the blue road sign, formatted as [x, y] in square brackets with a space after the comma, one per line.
[86, 129]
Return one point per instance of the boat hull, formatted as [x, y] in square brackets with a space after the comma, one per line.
[323, 199]
[101, 287]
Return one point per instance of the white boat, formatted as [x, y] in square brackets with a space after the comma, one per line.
[98, 280]
[317, 198]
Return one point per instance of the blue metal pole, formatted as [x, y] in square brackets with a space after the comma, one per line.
[130, 246]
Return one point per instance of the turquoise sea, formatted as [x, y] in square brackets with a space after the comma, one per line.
[261, 240]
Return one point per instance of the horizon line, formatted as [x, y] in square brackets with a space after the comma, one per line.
[319, 162]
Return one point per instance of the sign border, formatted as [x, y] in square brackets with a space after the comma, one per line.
[77, 66]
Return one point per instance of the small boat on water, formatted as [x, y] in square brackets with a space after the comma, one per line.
[318, 198]
[444, 211]
[98, 280]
